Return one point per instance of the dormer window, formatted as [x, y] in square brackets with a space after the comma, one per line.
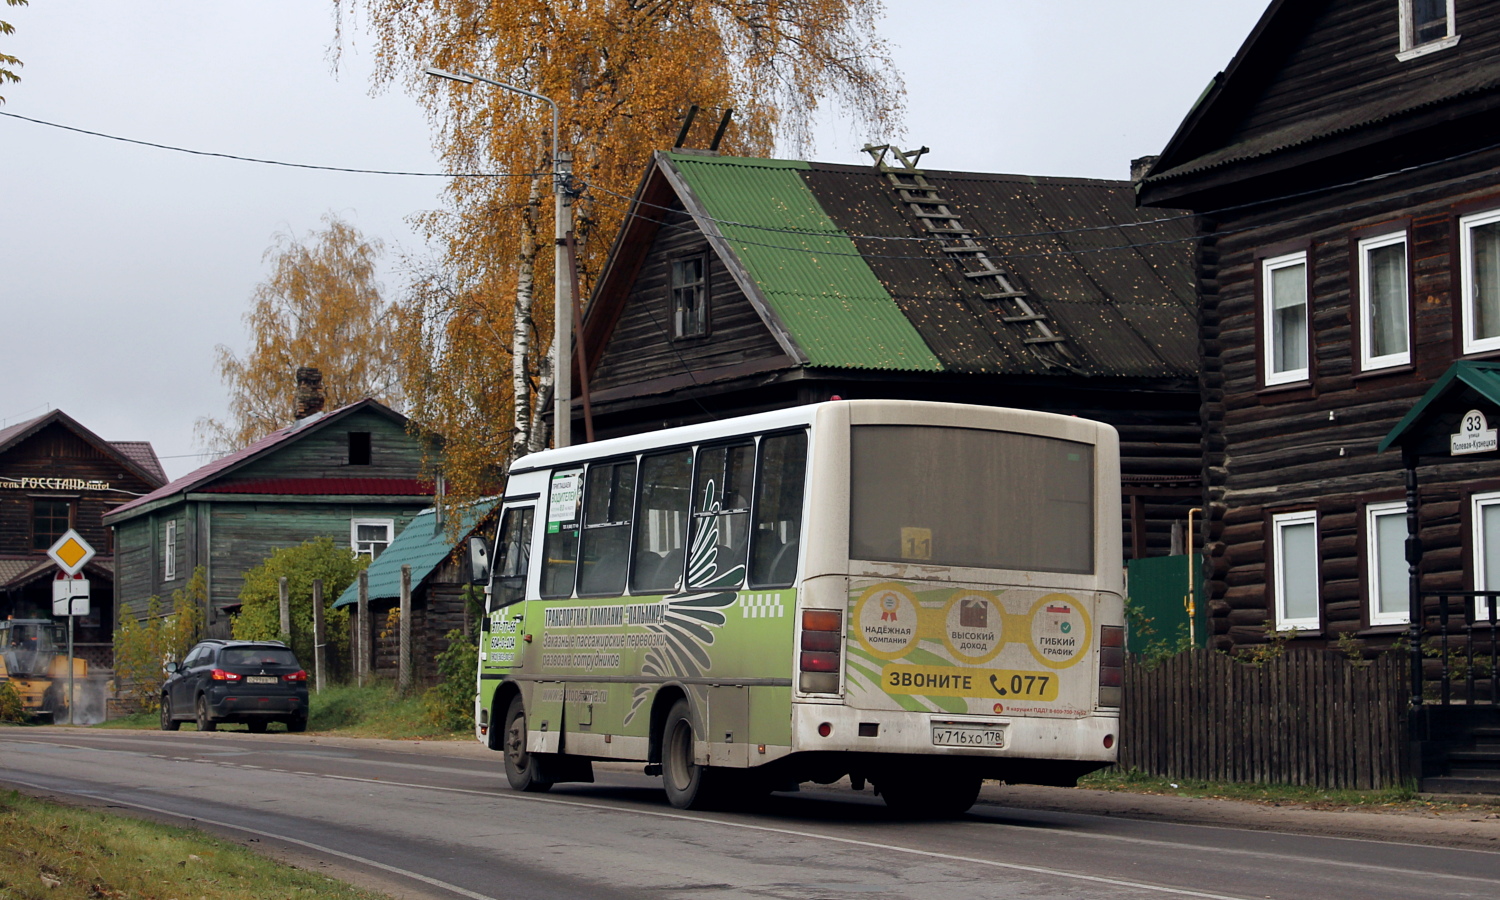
[689, 297]
[1426, 25]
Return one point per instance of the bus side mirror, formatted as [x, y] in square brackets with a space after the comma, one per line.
[479, 560]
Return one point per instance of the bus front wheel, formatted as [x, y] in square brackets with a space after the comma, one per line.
[688, 785]
[521, 768]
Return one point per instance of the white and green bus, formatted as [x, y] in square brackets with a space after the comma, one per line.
[915, 595]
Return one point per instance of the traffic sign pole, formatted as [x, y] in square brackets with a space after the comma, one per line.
[71, 553]
[71, 696]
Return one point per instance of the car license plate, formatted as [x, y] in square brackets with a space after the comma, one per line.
[967, 734]
[261, 679]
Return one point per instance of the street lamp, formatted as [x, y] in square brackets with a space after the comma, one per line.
[562, 353]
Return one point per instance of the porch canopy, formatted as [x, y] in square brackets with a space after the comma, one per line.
[1436, 425]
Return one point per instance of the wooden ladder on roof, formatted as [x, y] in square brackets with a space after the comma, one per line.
[998, 284]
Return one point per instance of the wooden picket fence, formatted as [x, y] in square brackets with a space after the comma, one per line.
[1305, 717]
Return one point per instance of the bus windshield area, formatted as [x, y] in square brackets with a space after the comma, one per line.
[971, 498]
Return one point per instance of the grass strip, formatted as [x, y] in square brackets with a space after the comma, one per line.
[376, 711]
[51, 851]
[1135, 781]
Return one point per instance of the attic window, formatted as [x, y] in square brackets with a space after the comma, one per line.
[359, 448]
[1426, 25]
[689, 297]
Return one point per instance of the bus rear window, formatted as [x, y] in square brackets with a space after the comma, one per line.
[972, 498]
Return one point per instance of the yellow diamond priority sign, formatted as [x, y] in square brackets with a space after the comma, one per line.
[71, 552]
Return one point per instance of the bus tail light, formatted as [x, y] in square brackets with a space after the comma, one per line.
[822, 646]
[1111, 664]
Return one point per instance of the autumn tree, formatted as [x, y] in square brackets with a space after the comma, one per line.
[320, 306]
[8, 63]
[623, 74]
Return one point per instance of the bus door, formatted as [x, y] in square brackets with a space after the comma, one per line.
[502, 648]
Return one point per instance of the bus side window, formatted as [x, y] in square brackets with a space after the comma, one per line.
[777, 530]
[661, 523]
[721, 516]
[560, 547]
[514, 550]
[605, 548]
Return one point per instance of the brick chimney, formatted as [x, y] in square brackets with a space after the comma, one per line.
[309, 398]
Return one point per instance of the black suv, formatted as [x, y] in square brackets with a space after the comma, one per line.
[253, 682]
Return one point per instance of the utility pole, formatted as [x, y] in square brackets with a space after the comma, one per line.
[286, 610]
[362, 630]
[403, 669]
[320, 652]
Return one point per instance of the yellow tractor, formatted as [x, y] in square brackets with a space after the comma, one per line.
[31, 661]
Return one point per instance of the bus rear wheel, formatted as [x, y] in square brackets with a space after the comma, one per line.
[521, 768]
[688, 785]
[931, 796]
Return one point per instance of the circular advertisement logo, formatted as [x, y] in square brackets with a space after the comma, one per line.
[885, 621]
[973, 627]
[1059, 631]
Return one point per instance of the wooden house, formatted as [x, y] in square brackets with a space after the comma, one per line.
[439, 599]
[1345, 173]
[55, 475]
[739, 285]
[353, 474]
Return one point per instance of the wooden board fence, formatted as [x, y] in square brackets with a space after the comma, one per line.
[1305, 717]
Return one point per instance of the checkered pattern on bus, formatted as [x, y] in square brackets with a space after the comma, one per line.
[761, 606]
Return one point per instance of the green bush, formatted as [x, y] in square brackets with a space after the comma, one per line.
[143, 645]
[11, 709]
[260, 612]
[450, 703]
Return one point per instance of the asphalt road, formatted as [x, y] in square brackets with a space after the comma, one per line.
[442, 824]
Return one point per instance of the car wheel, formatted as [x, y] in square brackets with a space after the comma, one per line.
[205, 721]
[521, 768]
[688, 785]
[167, 722]
[296, 724]
[257, 726]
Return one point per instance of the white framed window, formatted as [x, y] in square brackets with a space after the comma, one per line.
[1294, 554]
[1486, 541]
[1385, 559]
[370, 537]
[1426, 25]
[169, 551]
[1384, 315]
[1285, 317]
[1479, 251]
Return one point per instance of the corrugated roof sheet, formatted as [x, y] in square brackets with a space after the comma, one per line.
[1122, 292]
[372, 487]
[198, 477]
[423, 545]
[815, 280]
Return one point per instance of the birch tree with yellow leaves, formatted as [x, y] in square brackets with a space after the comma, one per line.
[623, 73]
[321, 306]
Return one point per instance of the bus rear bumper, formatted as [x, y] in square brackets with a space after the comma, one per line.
[1090, 738]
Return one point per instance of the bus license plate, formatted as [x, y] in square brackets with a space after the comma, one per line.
[960, 734]
[261, 679]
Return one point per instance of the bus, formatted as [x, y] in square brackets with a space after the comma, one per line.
[916, 596]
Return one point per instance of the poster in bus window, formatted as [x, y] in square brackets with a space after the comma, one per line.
[563, 501]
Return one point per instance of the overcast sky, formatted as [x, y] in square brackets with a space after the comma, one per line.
[122, 267]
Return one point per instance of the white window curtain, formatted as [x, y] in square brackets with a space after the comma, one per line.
[1385, 535]
[1383, 298]
[1286, 318]
[1295, 549]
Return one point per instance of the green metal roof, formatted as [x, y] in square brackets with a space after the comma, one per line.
[837, 311]
[1483, 377]
[423, 545]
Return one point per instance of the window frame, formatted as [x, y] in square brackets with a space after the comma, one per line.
[703, 296]
[1466, 226]
[1270, 377]
[1279, 523]
[632, 460]
[1410, 49]
[68, 505]
[354, 542]
[361, 448]
[1477, 503]
[169, 551]
[1374, 511]
[1368, 362]
[755, 507]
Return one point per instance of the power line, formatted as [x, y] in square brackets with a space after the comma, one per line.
[273, 162]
